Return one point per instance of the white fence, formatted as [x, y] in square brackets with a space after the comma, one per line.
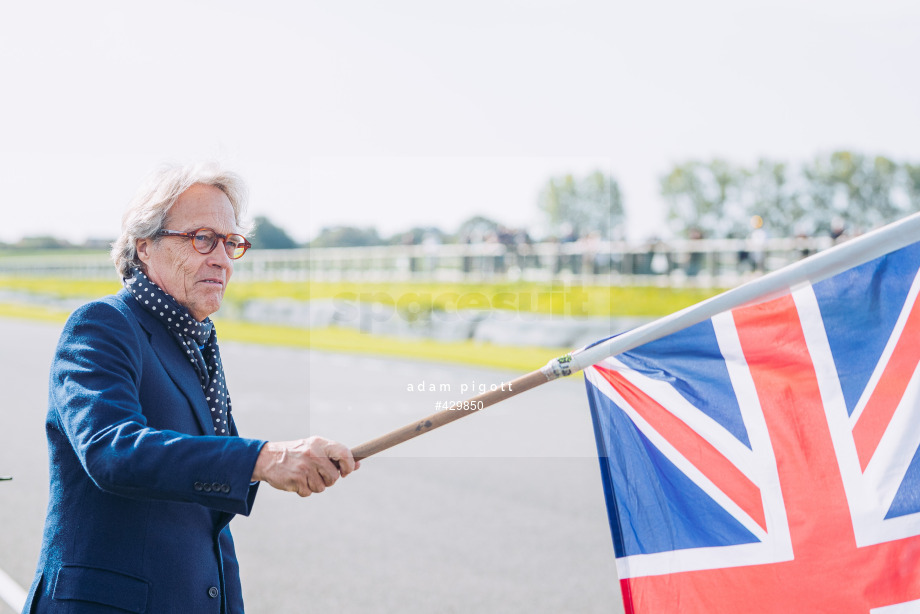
[705, 263]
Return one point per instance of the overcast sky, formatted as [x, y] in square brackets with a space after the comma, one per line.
[407, 113]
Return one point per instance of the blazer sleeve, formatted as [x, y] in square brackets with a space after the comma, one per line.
[94, 397]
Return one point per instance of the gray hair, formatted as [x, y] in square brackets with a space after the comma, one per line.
[146, 214]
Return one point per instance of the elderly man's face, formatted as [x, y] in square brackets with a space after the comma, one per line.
[196, 280]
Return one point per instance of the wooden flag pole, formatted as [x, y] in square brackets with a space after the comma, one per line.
[445, 416]
[810, 270]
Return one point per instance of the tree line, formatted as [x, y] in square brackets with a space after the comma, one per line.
[829, 194]
[839, 190]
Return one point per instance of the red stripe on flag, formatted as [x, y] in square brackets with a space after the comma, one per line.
[703, 455]
[874, 420]
[829, 573]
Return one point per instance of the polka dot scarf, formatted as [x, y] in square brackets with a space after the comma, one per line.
[198, 339]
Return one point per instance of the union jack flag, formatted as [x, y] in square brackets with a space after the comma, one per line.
[768, 459]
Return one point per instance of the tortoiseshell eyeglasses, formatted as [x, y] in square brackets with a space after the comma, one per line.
[204, 240]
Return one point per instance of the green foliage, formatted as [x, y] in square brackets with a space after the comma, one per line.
[706, 197]
[477, 227]
[584, 204]
[269, 236]
[857, 191]
[42, 242]
[418, 235]
[346, 236]
[775, 197]
[912, 184]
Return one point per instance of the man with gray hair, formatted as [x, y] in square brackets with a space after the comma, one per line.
[147, 467]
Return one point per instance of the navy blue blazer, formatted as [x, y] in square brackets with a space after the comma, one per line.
[141, 489]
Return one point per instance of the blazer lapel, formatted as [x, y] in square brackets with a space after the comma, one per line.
[174, 361]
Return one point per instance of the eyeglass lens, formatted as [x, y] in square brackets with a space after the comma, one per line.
[206, 240]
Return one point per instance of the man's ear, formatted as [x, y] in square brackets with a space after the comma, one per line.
[143, 247]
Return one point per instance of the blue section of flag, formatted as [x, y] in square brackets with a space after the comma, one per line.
[691, 361]
[860, 308]
[907, 501]
[652, 506]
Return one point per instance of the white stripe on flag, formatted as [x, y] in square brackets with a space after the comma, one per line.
[909, 607]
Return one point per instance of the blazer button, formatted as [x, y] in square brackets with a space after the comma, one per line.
[213, 592]
[198, 486]
[216, 486]
[206, 487]
[225, 488]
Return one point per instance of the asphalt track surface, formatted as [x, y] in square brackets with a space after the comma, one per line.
[499, 512]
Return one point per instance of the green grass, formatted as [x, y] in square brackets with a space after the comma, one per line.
[523, 359]
[556, 299]
[409, 299]
[61, 287]
[32, 312]
[51, 253]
